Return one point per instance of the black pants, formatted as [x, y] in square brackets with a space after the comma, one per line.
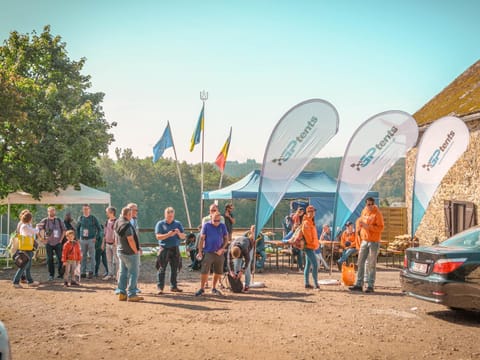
[50, 263]
[100, 255]
[168, 256]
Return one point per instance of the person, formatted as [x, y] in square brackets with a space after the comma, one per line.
[28, 232]
[100, 255]
[128, 255]
[370, 226]
[213, 241]
[241, 252]
[109, 243]
[54, 232]
[295, 238]
[213, 208]
[349, 243]
[191, 248]
[68, 224]
[169, 232]
[324, 236]
[309, 231]
[71, 257]
[229, 219]
[134, 222]
[88, 230]
[259, 249]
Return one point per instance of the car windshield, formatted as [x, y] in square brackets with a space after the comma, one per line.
[467, 239]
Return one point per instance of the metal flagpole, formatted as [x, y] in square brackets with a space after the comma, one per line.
[180, 177]
[203, 97]
[221, 179]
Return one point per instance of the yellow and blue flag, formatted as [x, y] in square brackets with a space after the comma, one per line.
[198, 130]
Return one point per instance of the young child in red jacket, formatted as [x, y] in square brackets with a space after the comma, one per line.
[71, 257]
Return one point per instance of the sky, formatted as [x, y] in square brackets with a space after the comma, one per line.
[256, 60]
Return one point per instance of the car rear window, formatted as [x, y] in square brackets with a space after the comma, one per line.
[466, 239]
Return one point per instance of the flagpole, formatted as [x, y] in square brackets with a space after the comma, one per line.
[221, 179]
[180, 176]
[203, 97]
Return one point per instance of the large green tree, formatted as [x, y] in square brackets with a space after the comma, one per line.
[52, 129]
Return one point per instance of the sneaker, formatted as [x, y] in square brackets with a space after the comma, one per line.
[59, 277]
[50, 278]
[160, 292]
[316, 287]
[216, 292]
[199, 292]
[175, 289]
[246, 288]
[369, 290]
[355, 288]
[106, 277]
[17, 286]
[122, 297]
[135, 298]
[308, 286]
[83, 276]
[65, 284]
[33, 283]
[90, 275]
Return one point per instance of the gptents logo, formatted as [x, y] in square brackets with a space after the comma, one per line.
[435, 157]
[370, 154]
[292, 145]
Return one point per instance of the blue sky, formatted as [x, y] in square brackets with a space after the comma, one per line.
[256, 59]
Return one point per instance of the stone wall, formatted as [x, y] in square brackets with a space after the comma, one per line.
[461, 183]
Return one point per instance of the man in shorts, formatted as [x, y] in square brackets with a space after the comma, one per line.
[213, 241]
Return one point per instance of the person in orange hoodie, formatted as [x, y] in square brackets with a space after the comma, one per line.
[369, 227]
[71, 257]
[309, 230]
[349, 242]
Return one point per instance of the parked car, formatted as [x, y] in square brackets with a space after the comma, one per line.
[448, 273]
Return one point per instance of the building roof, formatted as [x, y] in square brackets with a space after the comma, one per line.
[460, 98]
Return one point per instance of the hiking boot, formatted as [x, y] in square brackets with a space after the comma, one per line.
[176, 289]
[135, 298]
[369, 290]
[355, 288]
[216, 292]
[199, 292]
[122, 297]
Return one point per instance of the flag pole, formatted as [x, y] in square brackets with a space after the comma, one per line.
[203, 97]
[180, 177]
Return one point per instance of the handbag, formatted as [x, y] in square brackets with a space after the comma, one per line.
[21, 259]
[25, 243]
[348, 274]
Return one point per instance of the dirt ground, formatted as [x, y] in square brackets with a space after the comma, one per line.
[281, 321]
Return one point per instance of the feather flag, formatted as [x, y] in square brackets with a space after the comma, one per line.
[164, 143]
[222, 157]
[198, 130]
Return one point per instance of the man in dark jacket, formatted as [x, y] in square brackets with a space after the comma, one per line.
[241, 252]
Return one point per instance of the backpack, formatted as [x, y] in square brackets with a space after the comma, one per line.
[236, 284]
[298, 240]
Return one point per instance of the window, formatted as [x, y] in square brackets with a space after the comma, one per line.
[459, 216]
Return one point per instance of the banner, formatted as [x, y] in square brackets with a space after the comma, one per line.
[298, 136]
[198, 129]
[442, 144]
[163, 144]
[373, 149]
[222, 157]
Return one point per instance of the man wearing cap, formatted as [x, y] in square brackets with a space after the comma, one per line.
[349, 243]
[369, 226]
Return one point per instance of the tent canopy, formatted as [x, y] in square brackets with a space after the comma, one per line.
[86, 195]
[307, 184]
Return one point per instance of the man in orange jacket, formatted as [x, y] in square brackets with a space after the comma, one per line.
[369, 227]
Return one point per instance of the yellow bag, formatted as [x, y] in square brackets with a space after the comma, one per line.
[348, 274]
[25, 243]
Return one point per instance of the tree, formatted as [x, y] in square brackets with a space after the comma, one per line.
[52, 129]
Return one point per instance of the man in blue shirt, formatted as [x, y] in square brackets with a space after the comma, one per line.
[213, 241]
[169, 232]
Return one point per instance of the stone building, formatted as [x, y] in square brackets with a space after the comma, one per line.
[455, 204]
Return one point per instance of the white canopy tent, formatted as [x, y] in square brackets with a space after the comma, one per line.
[84, 195]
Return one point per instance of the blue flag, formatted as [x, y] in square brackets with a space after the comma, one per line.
[163, 144]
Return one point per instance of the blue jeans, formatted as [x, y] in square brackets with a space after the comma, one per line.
[311, 262]
[299, 256]
[129, 269]
[260, 264]
[50, 264]
[346, 254]
[368, 254]
[26, 269]
[237, 266]
[88, 253]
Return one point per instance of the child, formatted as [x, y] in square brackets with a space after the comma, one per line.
[71, 257]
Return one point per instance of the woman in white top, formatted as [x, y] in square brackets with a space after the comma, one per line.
[26, 229]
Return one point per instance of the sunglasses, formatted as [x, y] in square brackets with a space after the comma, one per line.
[215, 221]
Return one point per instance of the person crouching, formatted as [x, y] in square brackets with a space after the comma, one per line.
[241, 252]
